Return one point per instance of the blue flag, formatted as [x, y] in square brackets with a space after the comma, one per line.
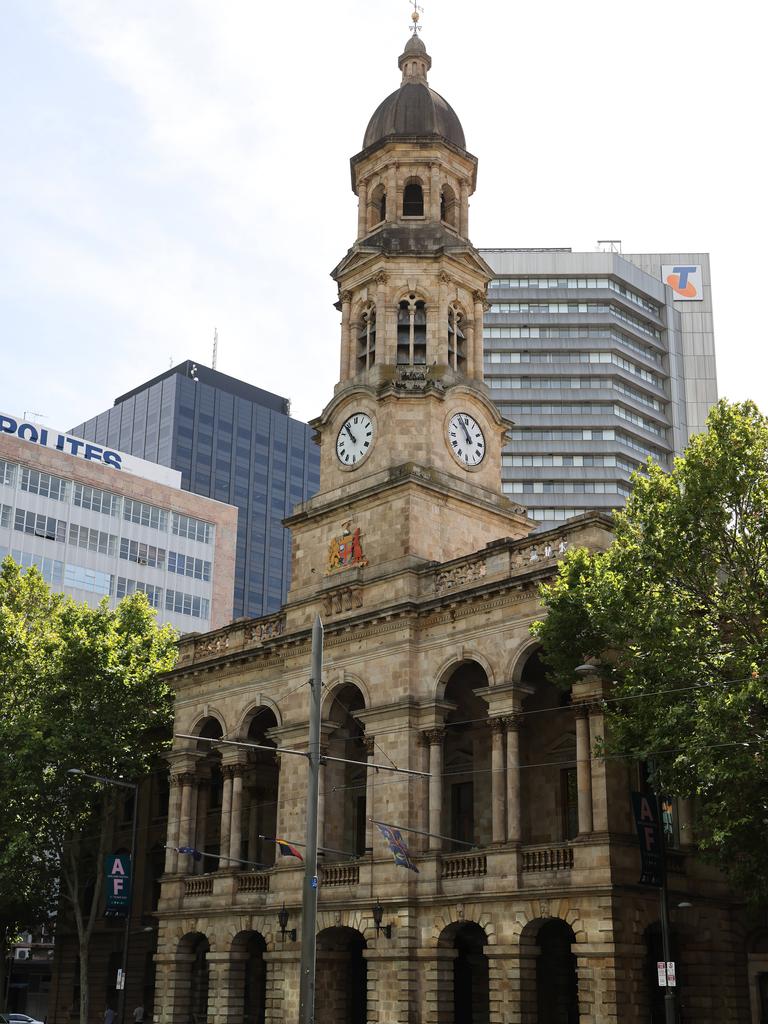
[190, 851]
[397, 845]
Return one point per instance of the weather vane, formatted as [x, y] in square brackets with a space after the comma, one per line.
[416, 27]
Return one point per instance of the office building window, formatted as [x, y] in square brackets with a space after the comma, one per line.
[51, 569]
[95, 500]
[144, 514]
[8, 472]
[123, 587]
[187, 604]
[80, 578]
[38, 525]
[44, 484]
[5, 515]
[186, 565]
[193, 529]
[92, 540]
[142, 554]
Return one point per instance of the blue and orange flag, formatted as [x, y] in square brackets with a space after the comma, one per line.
[287, 849]
[398, 846]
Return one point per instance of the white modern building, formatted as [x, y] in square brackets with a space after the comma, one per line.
[102, 524]
[600, 359]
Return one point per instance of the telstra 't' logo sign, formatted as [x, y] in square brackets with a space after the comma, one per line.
[680, 281]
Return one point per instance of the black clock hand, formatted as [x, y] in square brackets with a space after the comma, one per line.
[466, 432]
[352, 436]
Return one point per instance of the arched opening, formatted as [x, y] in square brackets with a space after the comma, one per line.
[205, 833]
[549, 795]
[262, 784]
[248, 978]
[448, 206]
[457, 350]
[412, 332]
[345, 784]
[366, 339]
[377, 206]
[466, 760]
[557, 987]
[413, 199]
[191, 996]
[464, 996]
[341, 993]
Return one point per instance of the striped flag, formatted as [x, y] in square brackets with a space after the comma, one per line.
[287, 849]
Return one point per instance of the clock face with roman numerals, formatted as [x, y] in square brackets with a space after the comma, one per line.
[355, 439]
[465, 439]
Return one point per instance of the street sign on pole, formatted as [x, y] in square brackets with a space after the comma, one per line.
[117, 885]
[649, 834]
[661, 969]
[671, 981]
[120, 983]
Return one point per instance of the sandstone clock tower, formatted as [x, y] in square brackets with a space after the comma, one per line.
[411, 441]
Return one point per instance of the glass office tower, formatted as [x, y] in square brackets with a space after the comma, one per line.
[600, 359]
[233, 442]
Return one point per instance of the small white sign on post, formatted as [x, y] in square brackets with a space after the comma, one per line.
[661, 967]
[671, 974]
[120, 983]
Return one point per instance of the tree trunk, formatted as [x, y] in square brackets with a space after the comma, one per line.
[85, 994]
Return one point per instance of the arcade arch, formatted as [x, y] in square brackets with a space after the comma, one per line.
[466, 999]
[341, 994]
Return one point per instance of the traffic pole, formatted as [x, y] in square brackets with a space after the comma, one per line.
[309, 910]
[670, 1009]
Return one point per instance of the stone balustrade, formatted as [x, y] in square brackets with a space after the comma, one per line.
[339, 874]
[548, 858]
[253, 881]
[464, 865]
[201, 885]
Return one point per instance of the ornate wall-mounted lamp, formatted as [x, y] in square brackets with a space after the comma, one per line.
[378, 917]
[282, 920]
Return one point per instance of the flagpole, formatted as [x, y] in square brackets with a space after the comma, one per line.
[309, 915]
[418, 832]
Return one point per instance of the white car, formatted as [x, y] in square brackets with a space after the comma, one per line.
[22, 1018]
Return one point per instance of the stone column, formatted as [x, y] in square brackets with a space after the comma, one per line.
[226, 815]
[514, 822]
[236, 817]
[685, 820]
[172, 834]
[464, 208]
[386, 341]
[187, 823]
[362, 209]
[392, 210]
[434, 192]
[346, 369]
[203, 800]
[583, 769]
[475, 354]
[370, 750]
[498, 780]
[439, 352]
[599, 780]
[253, 822]
[434, 738]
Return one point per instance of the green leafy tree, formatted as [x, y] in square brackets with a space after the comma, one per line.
[79, 687]
[675, 614]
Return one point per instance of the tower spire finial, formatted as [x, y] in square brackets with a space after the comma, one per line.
[416, 27]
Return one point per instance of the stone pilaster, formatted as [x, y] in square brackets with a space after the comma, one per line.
[498, 780]
[514, 815]
[236, 820]
[174, 813]
[226, 814]
[583, 769]
[434, 738]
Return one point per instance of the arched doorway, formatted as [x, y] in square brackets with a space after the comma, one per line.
[549, 990]
[549, 794]
[469, 999]
[345, 784]
[191, 996]
[557, 987]
[205, 834]
[248, 978]
[261, 784]
[466, 760]
[341, 991]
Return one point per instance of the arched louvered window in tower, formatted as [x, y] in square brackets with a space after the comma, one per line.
[412, 332]
[366, 339]
[457, 346]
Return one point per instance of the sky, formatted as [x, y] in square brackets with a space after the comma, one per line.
[168, 167]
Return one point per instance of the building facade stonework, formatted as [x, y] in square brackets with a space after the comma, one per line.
[526, 905]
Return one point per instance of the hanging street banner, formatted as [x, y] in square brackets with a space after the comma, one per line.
[117, 885]
[649, 834]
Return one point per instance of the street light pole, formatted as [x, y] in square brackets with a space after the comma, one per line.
[127, 933]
